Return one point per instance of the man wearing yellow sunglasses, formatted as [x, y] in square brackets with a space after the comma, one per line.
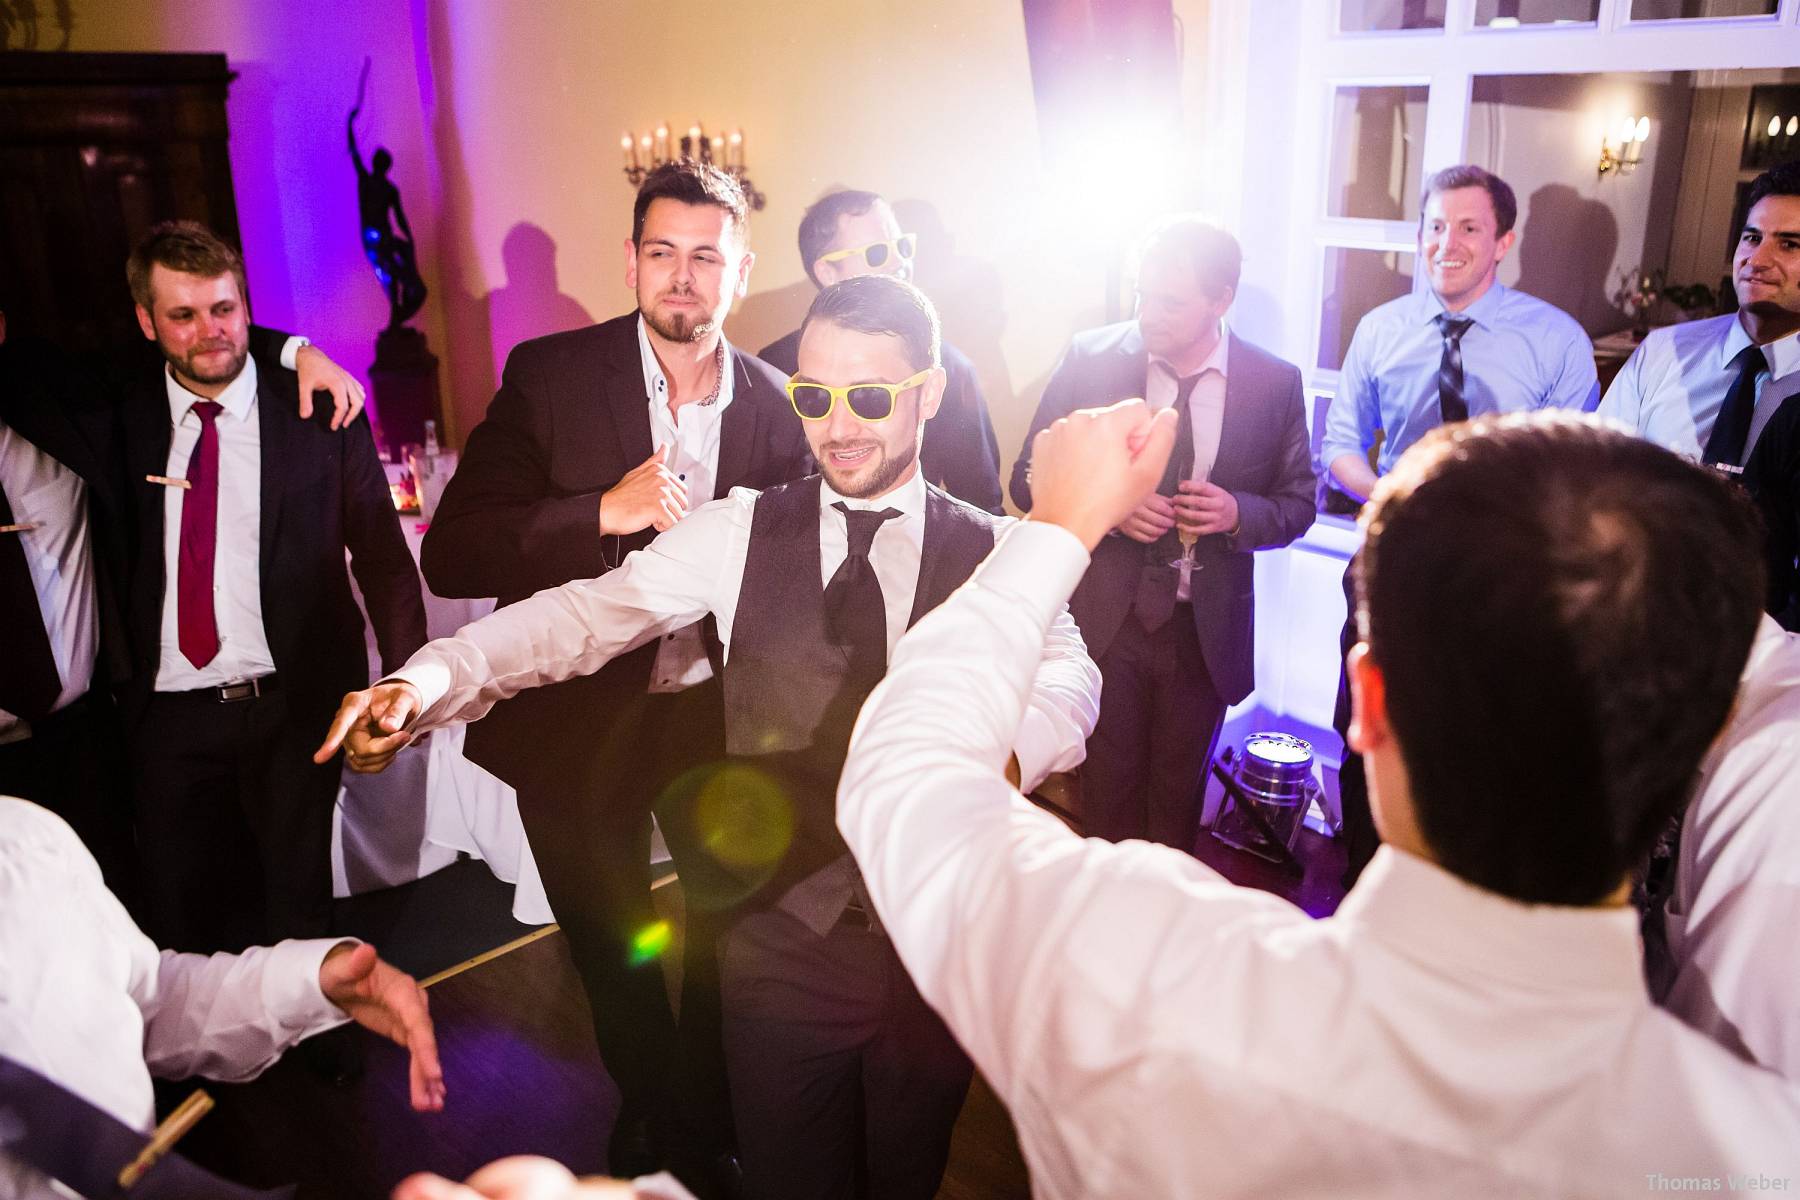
[837, 1068]
[853, 233]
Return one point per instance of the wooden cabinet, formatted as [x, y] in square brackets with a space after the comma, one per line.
[94, 149]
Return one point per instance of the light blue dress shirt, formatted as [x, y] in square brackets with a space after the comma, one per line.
[1672, 387]
[1521, 354]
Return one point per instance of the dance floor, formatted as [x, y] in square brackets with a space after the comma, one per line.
[519, 1057]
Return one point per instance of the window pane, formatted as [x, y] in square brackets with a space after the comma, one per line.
[1688, 10]
[1375, 137]
[1355, 282]
[1366, 16]
[1503, 14]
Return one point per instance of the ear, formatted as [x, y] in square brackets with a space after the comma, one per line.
[1504, 244]
[1369, 729]
[631, 264]
[828, 273]
[743, 275]
[145, 323]
[931, 394]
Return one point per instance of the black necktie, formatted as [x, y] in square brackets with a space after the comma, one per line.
[1451, 405]
[58, 1132]
[1154, 603]
[29, 684]
[1732, 430]
[855, 611]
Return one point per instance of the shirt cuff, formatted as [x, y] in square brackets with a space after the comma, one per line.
[291, 992]
[432, 679]
[1037, 565]
[290, 352]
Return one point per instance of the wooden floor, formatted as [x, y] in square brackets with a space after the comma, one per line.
[524, 1078]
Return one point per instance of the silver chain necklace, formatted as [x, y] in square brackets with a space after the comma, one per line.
[718, 374]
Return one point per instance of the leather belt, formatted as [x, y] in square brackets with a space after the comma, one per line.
[231, 693]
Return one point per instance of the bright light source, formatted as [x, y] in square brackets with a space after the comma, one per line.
[1642, 132]
[1774, 126]
[1793, 126]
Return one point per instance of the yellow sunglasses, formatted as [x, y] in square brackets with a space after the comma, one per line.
[869, 402]
[876, 253]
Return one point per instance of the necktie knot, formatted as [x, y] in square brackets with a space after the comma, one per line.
[1730, 435]
[1752, 361]
[1452, 328]
[861, 525]
[207, 410]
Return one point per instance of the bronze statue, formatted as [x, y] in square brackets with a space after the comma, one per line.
[388, 246]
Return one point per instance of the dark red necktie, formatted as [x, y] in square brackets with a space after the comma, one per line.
[197, 629]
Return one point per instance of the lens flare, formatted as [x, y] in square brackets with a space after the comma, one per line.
[649, 943]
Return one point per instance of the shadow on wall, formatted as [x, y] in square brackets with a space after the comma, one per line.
[21, 26]
[469, 372]
[1565, 248]
[768, 316]
[531, 303]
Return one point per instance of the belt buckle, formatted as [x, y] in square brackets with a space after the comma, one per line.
[247, 689]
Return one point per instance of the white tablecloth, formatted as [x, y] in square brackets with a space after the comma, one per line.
[415, 817]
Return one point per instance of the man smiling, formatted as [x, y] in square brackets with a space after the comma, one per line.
[1465, 346]
[837, 1068]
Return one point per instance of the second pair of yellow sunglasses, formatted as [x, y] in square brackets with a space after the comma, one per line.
[866, 401]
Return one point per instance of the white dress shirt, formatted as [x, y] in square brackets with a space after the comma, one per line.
[60, 557]
[691, 434]
[1736, 900]
[1672, 387]
[237, 547]
[697, 567]
[1156, 1031]
[88, 1001]
[1206, 413]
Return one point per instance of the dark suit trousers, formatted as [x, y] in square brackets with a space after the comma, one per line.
[1159, 717]
[844, 1082]
[74, 765]
[591, 842]
[1360, 838]
[233, 820]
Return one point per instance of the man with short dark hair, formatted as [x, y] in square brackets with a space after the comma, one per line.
[239, 614]
[838, 1071]
[851, 233]
[1167, 605]
[1720, 389]
[1465, 346]
[598, 439]
[1473, 1020]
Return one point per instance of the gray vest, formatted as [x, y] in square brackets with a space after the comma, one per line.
[788, 706]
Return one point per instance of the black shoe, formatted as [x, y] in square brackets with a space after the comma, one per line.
[630, 1151]
[336, 1056]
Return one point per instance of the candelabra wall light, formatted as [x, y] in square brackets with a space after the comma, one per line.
[645, 152]
[1632, 133]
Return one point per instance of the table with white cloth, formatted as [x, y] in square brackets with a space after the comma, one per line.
[432, 803]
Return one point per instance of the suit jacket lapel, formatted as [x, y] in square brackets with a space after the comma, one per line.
[738, 430]
[272, 425]
[1241, 392]
[622, 396]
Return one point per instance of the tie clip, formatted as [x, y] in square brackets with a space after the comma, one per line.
[168, 482]
[21, 527]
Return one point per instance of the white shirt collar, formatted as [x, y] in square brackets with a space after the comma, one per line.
[238, 399]
[1428, 914]
[1216, 361]
[1783, 354]
[656, 385]
[909, 497]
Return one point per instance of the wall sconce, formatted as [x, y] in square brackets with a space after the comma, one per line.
[647, 151]
[1633, 132]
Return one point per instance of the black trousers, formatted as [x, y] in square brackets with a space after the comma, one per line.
[1159, 718]
[844, 1082]
[1360, 837]
[591, 841]
[74, 765]
[233, 820]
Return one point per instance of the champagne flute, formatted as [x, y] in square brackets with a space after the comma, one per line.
[1186, 563]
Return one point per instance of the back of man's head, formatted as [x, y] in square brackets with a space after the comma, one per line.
[1560, 613]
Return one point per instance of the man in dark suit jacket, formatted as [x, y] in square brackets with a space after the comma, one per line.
[853, 233]
[598, 439]
[60, 740]
[241, 623]
[1176, 646]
